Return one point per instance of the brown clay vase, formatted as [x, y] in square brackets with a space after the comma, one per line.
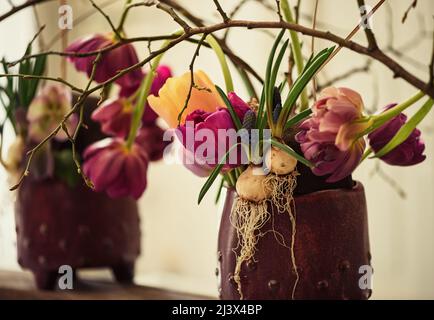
[331, 244]
[58, 225]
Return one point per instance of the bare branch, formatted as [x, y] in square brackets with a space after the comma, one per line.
[192, 83]
[20, 7]
[174, 15]
[412, 6]
[279, 13]
[431, 67]
[110, 22]
[221, 11]
[372, 42]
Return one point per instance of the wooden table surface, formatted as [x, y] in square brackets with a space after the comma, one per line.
[20, 285]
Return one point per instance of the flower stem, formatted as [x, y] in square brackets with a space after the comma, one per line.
[382, 118]
[223, 63]
[143, 93]
[296, 49]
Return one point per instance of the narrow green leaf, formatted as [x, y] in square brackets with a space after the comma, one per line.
[276, 67]
[38, 70]
[406, 129]
[260, 110]
[291, 152]
[305, 77]
[232, 112]
[214, 174]
[219, 190]
[270, 65]
[298, 118]
[282, 85]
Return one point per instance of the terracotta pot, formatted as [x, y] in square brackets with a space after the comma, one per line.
[58, 225]
[331, 244]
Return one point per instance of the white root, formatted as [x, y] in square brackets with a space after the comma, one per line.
[279, 162]
[250, 214]
[247, 218]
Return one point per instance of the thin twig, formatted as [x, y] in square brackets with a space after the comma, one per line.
[431, 67]
[109, 20]
[315, 14]
[30, 76]
[412, 6]
[221, 11]
[372, 42]
[279, 13]
[174, 15]
[192, 83]
[16, 9]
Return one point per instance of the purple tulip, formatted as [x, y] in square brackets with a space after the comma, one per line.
[151, 140]
[328, 138]
[115, 114]
[409, 153]
[111, 62]
[113, 168]
[204, 127]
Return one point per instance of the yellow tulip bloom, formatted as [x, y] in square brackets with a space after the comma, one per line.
[172, 96]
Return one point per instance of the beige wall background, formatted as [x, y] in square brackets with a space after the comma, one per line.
[180, 237]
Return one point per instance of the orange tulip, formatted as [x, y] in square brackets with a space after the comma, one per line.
[172, 96]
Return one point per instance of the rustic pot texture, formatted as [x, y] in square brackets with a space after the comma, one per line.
[57, 225]
[60, 225]
[331, 244]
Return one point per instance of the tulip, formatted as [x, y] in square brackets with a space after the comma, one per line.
[115, 114]
[200, 124]
[151, 140]
[115, 169]
[47, 111]
[172, 96]
[111, 62]
[410, 152]
[330, 138]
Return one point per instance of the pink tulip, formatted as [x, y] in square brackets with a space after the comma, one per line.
[329, 139]
[151, 140]
[200, 122]
[113, 168]
[115, 114]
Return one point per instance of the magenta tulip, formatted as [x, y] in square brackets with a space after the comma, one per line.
[214, 134]
[113, 168]
[115, 114]
[111, 62]
[409, 153]
[151, 140]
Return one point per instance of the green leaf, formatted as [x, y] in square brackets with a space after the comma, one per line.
[232, 112]
[267, 83]
[219, 190]
[38, 70]
[214, 174]
[276, 67]
[291, 152]
[305, 77]
[261, 112]
[298, 118]
[282, 85]
[406, 129]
